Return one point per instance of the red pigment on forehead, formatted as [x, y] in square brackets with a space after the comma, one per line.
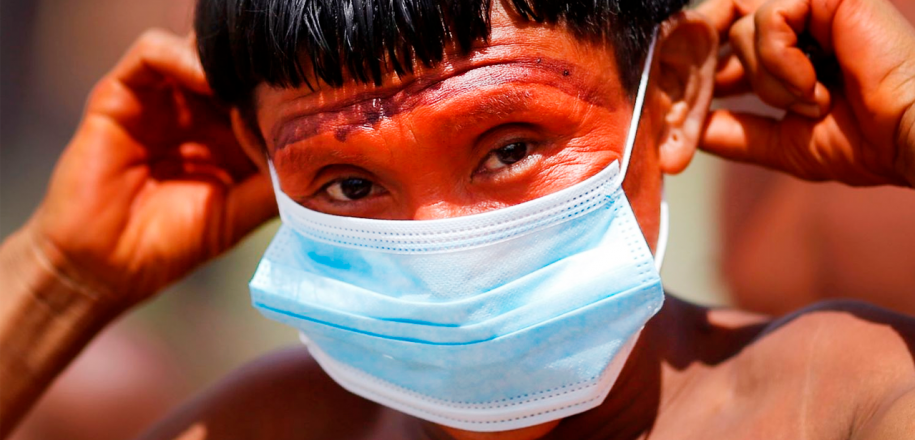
[370, 108]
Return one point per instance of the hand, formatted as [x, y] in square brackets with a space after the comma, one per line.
[153, 183]
[860, 130]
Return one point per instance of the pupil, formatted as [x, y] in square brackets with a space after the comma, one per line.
[512, 153]
[355, 188]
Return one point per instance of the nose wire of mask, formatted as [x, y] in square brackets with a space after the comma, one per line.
[488, 322]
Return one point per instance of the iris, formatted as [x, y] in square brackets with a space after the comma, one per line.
[355, 188]
[512, 153]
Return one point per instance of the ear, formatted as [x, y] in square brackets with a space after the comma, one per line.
[248, 134]
[686, 58]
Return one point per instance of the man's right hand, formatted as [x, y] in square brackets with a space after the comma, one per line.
[153, 183]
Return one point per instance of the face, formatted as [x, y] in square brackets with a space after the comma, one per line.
[530, 112]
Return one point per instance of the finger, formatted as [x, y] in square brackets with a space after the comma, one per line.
[778, 24]
[743, 38]
[160, 55]
[249, 205]
[876, 46]
[737, 136]
[794, 145]
[731, 79]
[723, 13]
[769, 88]
[761, 141]
[799, 146]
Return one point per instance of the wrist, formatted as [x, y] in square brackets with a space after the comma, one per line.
[46, 318]
[43, 274]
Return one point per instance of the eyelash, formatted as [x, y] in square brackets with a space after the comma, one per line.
[530, 148]
[374, 190]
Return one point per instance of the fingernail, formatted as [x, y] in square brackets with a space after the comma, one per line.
[810, 110]
[795, 91]
[801, 95]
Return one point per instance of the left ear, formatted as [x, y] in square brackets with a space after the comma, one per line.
[686, 58]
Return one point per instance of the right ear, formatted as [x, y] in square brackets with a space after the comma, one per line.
[248, 135]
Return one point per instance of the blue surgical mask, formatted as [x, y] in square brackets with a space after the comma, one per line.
[488, 322]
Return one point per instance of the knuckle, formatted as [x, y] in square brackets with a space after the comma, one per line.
[107, 97]
[764, 14]
[99, 89]
[768, 53]
[747, 6]
[155, 34]
[742, 31]
[98, 93]
[775, 95]
[152, 39]
[734, 33]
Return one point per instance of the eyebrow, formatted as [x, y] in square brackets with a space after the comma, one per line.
[367, 109]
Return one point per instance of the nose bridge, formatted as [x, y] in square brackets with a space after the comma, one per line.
[406, 142]
[437, 209]
[430, 169]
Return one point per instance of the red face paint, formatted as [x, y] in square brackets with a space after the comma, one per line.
[368, 109]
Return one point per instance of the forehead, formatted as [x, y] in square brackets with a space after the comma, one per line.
[516, 53]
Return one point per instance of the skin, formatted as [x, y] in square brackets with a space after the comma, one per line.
[860, 252]
[165, 193]
[859, 132]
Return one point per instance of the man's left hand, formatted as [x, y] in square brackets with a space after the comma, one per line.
[858, 129]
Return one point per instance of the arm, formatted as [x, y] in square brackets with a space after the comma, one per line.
[895, 420]
[152, 185]
[859, 369]
[45, 320]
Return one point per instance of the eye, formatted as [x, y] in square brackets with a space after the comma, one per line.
[350, 189]
[506, 156]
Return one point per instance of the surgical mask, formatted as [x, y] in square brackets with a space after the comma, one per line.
[488, 322]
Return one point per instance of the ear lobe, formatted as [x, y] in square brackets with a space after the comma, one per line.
[687, 55]
[250, 139]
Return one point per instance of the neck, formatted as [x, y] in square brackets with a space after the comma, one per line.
[635, 401]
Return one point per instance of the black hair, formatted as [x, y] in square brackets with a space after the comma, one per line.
[245, 42]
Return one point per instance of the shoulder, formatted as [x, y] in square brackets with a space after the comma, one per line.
[281, 395]
[847, 361]
[857, 336]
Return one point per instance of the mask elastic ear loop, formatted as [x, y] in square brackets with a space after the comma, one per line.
[664, 226]
[639, 104]
[283, 201]
[663, 232]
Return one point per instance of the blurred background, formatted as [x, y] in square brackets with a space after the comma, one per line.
[781, 243]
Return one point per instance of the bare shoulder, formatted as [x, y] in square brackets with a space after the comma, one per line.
[846, 363]
[281, 395]
[855, 336]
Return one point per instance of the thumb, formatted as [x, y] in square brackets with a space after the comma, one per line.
[783, 145]
[796, 145]
[741, 137]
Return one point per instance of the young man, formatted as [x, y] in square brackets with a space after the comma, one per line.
[494, 117]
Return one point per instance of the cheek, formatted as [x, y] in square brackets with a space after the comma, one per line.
[643, 187]
[597, 144]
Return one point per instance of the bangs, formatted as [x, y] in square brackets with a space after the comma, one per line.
[245, 42]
